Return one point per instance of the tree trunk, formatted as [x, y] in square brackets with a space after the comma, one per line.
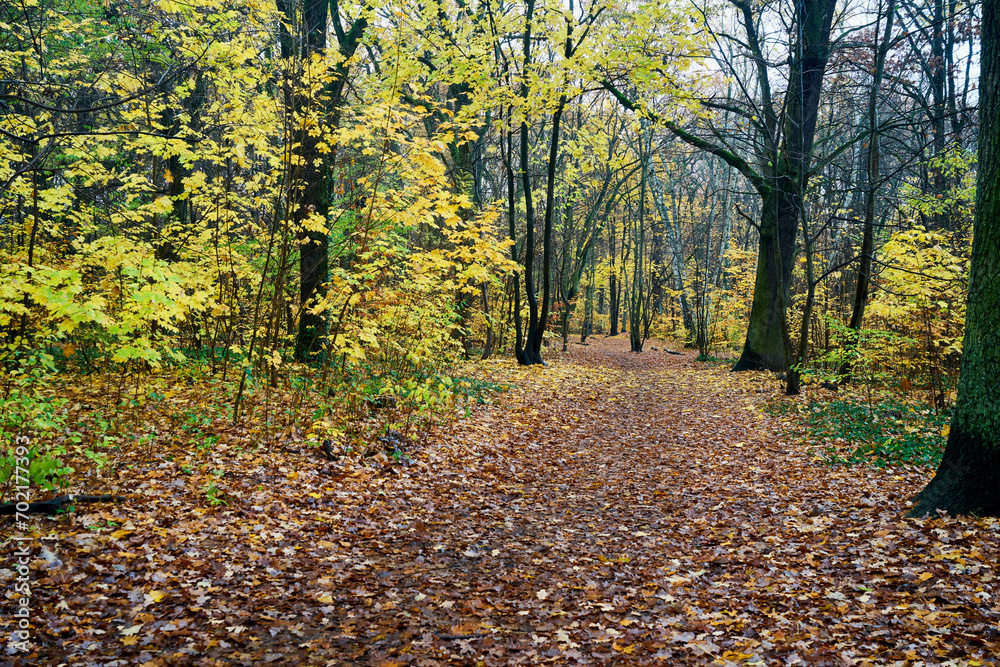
[512, 227]
[488, 345]
[568, 287]
[872, 176]
[313, 179]
[614, 291]
[767, 345]
[968, 479]
[309, 193]
[531, 354]
[636, 300]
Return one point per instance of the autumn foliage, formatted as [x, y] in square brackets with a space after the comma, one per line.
[265, 268]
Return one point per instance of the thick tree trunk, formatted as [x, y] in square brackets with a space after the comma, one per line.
[968, 479]
[767, 345]
[313, 272]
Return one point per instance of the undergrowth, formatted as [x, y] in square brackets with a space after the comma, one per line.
[714, 361]
[77, 426]
[847, 431]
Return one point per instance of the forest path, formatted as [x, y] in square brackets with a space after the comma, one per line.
[612, 508]
[640, 509]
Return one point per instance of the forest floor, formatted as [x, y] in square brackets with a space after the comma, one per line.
[611, 508]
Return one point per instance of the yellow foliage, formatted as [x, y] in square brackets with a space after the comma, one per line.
[919, 296]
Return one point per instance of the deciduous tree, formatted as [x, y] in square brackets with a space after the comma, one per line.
[968, 479]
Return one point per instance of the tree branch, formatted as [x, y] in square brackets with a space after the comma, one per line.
[730, 158]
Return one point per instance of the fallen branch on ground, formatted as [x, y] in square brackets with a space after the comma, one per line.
[56, 505]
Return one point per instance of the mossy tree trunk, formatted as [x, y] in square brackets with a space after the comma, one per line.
[968, 479]
[767, 345]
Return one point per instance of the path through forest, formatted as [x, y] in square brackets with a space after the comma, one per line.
[612, 509]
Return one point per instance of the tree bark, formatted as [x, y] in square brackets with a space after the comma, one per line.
[767, 345]
[968, 479]
[531, 354]
[636, 300]
[309, 192]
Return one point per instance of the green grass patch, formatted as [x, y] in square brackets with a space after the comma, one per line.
[714, 361]
[849, 432]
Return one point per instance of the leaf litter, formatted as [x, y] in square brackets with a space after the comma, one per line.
[611, 509]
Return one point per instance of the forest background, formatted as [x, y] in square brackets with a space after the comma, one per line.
[304, 214]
